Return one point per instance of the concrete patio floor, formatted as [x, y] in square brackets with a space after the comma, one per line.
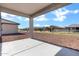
[31, 47]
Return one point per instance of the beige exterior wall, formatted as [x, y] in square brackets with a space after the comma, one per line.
[9, 28]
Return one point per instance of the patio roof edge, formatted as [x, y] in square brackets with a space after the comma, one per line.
[10, 11]
[49, 8]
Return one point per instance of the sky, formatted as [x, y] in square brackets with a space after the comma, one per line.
[61, 17]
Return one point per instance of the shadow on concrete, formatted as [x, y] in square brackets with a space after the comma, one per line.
[67, 52]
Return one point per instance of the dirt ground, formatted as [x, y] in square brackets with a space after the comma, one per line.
[61, 40]
[13, 37]
[69, 41]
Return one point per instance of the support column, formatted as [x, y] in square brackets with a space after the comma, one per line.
[31, 27]
[0, 29]
[0, 36]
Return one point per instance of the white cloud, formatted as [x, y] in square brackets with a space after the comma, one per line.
[37, 25]
[3, 15]
[46, 25]
[75, 11]
[61, 18]
[6, 15]
[10, 17]
[41, 18]
[61, 14]
[22, 18]
[27, 19]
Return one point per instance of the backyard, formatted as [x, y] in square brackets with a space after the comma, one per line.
[66, 39]
[60, 33]
[13, 37]
[54, 27]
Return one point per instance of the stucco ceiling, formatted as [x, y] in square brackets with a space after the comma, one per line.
[30, 9]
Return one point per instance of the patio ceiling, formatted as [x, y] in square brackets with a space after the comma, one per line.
[30, 9]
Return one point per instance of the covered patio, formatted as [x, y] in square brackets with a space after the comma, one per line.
[32, 10]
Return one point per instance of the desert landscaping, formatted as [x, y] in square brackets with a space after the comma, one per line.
[70, 40]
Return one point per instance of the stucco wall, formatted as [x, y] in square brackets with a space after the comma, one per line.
[9, 28]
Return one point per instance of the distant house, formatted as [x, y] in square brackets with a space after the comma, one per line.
[50, 28]
[73, 28]
[53, 28]
[38, 28]
[9, 27]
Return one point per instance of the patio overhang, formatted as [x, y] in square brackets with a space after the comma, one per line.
[30, 10]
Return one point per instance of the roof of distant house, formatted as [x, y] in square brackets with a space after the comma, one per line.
[56, 26]
[73, 25]
[4, 21]
[53, 26]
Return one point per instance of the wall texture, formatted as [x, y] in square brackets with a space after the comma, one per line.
[9, 28]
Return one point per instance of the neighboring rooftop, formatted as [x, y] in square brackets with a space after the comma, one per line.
[4, 21]
[73, 25]
[56, 26]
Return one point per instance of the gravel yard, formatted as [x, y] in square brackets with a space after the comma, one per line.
[71, 41]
